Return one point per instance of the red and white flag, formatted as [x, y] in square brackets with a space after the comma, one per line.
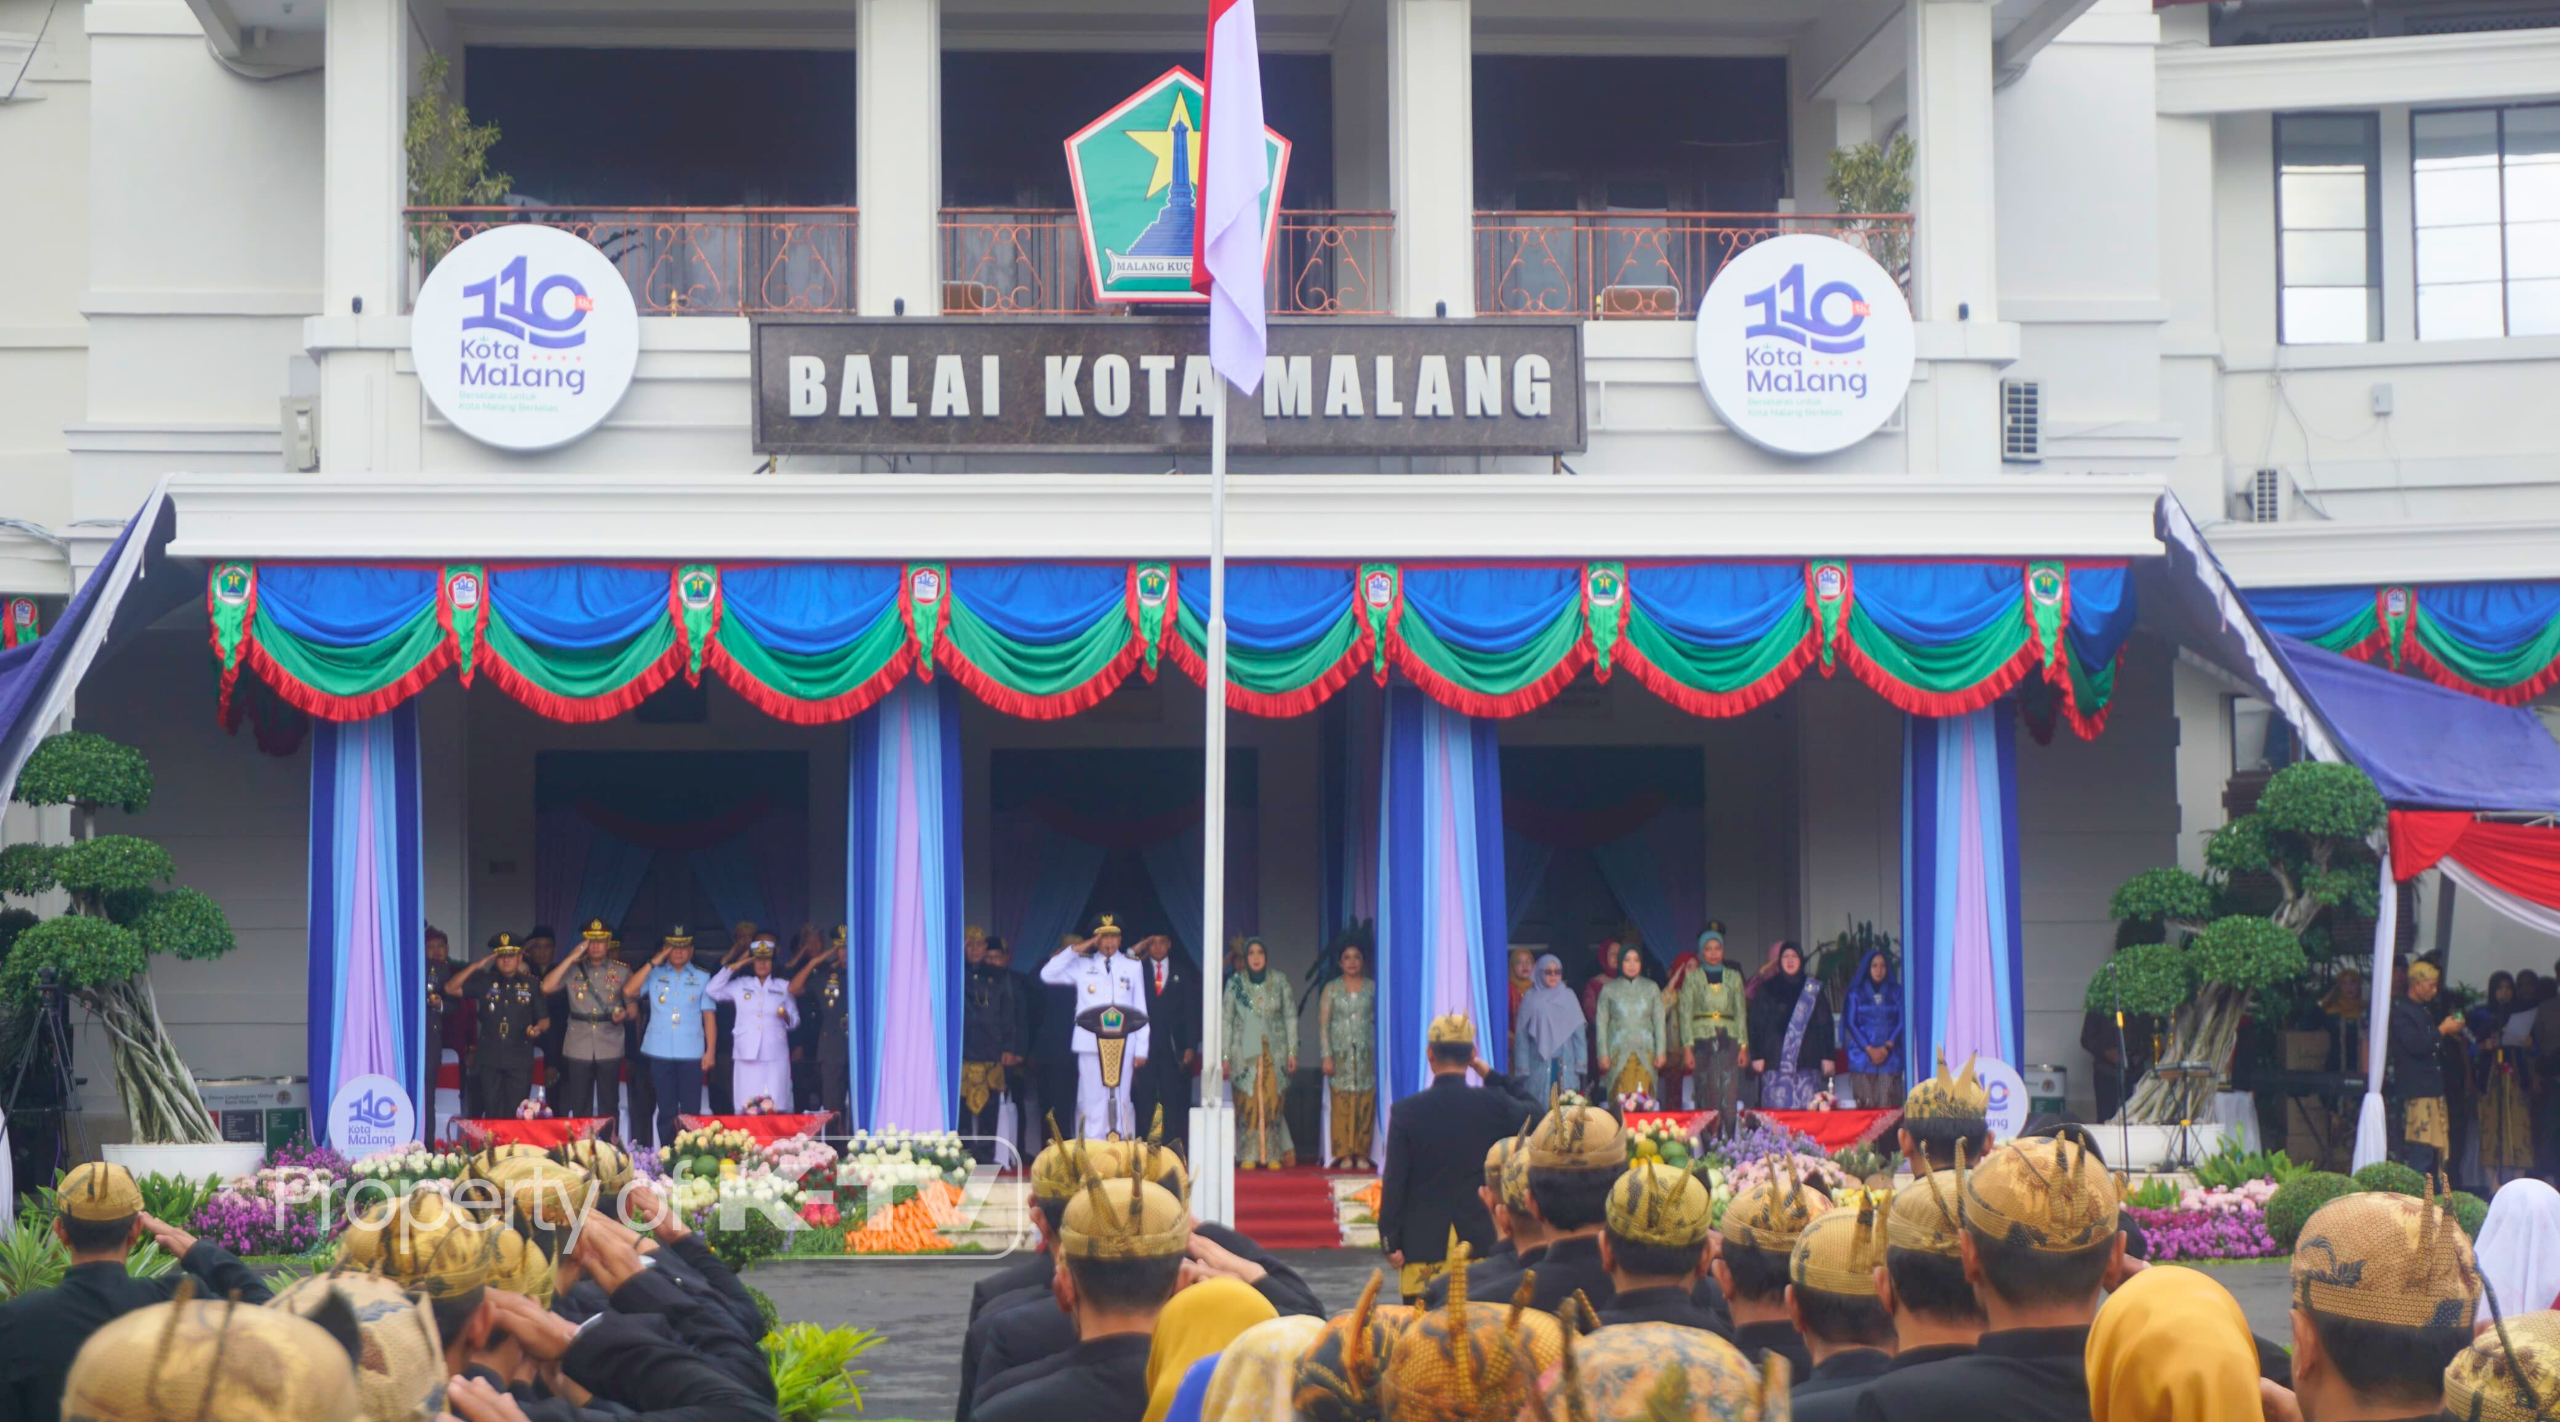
[1228, 241]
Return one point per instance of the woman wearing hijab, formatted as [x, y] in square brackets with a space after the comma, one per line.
[2505, 1076]
[2172, 1346]
[1347, 1025]
[1675, 1064]
[1547, 1037]
[1262, 1050]
[1790, 1035]
[1197, 1324]
[1629, 1028]
[2519, 1249]
[1256, 1376]
[1871, 1031]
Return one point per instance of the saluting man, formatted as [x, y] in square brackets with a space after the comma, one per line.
[760, 1053]
[1101, 978]
[677, 1045]
[511, 1025]
[835, 1042]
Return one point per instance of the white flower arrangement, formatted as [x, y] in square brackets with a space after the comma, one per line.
[409, 1162]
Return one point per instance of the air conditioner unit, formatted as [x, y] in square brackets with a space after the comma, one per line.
[2266, 498]
[2021, 421]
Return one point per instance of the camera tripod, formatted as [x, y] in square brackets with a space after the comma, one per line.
[47, 1042]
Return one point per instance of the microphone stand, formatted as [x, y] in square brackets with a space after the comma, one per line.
[2124, 1090]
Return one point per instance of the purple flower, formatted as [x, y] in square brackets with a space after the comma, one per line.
[2175, 1235]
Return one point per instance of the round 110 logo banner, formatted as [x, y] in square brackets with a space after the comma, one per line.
[525, 337]
[1804, 345]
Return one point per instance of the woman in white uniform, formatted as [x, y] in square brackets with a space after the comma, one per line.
[761, 1046]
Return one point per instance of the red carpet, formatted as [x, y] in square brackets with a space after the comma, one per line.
[1287, 1209]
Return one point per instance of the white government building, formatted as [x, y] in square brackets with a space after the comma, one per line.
[2294, 262]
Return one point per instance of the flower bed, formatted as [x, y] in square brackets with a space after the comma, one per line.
[2220, 1232]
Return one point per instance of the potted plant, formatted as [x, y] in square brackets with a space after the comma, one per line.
[2308, 838]
[98, 951]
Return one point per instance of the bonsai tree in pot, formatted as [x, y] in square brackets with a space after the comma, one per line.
[120, 916]
[2308, 838]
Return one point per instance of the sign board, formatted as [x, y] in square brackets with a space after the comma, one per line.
[1804, 345]
[835, 385]
[369, 1114]
[525, 337]
[2008, 1097]
[1136, 171]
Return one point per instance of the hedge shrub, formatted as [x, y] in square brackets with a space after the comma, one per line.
[2297, 1200]
[2393, 1177]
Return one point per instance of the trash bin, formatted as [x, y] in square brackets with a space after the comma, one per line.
[2048, 1089]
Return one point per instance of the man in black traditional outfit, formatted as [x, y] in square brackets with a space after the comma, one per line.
[1575, 1156]
[1935, 1314]
[1754, 1249]
[1121, 1246]
[1524, 1239]
[1655, 1249]
[1436, 1141]
[989, 1047]
[2424, 1136]
[1832, 1296]
[2384, 1292]
[2040, 1243]
[1942, 1115]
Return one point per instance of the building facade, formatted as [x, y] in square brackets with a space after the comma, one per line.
[2302, 278]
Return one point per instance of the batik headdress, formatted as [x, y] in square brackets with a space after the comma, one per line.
[400, 1367]
[1494, 1157]
[1839, 1252]
[1338, 1379]
[1961, 1097]
[1660, 1205]
[2509, 1374]
[1664, 1372]
[2384, 1258]
[1578, 1138]
[97, 1192]
[426, 1244]
[1123, 1219]
[1771, 1214]
[1929, 1216]
[600, 1159]
[1450, 1029]
[196, 1360]
[2051, 1195]
[1463, 1361]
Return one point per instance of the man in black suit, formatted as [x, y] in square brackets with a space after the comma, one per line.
[1436, 1144]
[1173, 1019]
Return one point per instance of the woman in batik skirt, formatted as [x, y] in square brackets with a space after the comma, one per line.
[1262, 1050]
[2506, 1084]
[1790, 1035]
[1347, 1024]
[1629, 1024]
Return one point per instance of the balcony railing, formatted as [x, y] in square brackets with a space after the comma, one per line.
[681, 261]
[1607, 266]
[1031, 261]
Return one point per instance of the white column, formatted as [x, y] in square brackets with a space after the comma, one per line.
[897, 144]
[363, 243]
[1956, 257]
[1431, 153]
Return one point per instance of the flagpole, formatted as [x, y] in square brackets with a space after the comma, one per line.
[1213, 1141]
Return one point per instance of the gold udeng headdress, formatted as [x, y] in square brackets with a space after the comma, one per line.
[1664, 1372]
[2509, 1374]
[204, 1361]
[97, 1192]
[1123, 1219]
[1462, 1362]
[600, 1159]
[1500, 1152]
[400, 1372]
[425, 1243]
[1929, 1217]
[2051, 1195]
[1450, 1029]
[1839, 1253]
[1961, 1097]
[536, 1189]
[1338, 1379]
[1772, 1214]
[2384, 1258]
[1660, 1205]
[1578, 1138]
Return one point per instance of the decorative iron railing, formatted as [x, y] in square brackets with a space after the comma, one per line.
[1645, 265]
[680, 261]
[1031, 261]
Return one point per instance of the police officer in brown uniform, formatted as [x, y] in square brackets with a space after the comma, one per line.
[587, 1080]
[511, 1025]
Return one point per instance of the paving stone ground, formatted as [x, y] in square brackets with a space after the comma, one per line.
[923, 1307]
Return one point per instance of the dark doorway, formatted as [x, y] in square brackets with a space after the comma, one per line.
[1568, 811]
[1640, 135]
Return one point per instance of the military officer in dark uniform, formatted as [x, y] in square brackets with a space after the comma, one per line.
[826, 998]
[511, 1025]
[1436, 1143]
[541, 949]
[99, 1220]
[990, 1046]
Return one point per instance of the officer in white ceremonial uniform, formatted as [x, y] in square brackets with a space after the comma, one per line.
[760, 1056]
[1102, 978]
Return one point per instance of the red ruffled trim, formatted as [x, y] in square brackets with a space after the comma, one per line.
[1039, 708]
[2087, 726]
[303, 696]
[784, 707]
[1736, 702]
[1919, 702]
[1476, 703]
[2416, 656]
[553, 706]
[1298, 700]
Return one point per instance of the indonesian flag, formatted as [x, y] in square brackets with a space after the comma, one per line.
[1227, 242]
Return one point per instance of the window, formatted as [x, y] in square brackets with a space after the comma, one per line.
[2328, 216]
[2487, 204]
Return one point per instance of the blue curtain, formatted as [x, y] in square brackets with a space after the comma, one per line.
[1962, 921]
[1442, 931]
[616, 868]
[1658, 874]
[1524, 863]
[365, 906]
[1174, 864]
[1042, 879]
[727, 871]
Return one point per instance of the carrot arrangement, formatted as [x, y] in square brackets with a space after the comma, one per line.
[912, 1226]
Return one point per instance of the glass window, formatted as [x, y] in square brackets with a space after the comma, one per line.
[2487, 195]
[2328, 212]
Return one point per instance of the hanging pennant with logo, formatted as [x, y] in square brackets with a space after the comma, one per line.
[20, 627]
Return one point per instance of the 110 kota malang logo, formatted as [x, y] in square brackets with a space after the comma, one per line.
[525, 337]
[1804, 345]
